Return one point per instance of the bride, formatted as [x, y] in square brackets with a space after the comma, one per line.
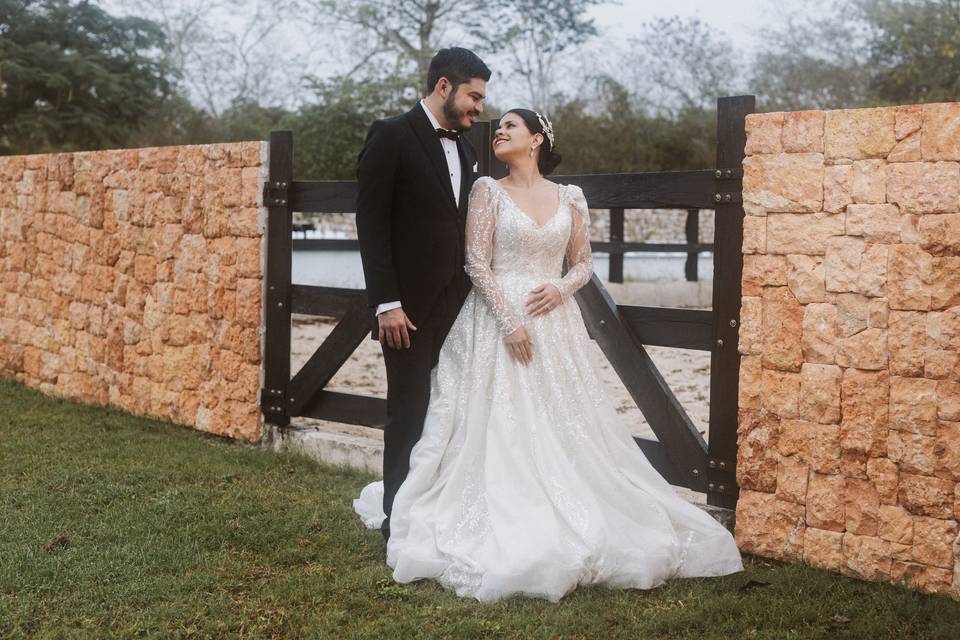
[524, 480]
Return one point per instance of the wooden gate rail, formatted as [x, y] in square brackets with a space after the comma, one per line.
[680, 452]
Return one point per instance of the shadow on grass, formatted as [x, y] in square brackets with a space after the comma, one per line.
[116, 526]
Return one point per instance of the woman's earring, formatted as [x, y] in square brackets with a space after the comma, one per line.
[531, 151]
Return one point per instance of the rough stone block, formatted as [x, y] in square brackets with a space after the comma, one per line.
[940, 234]
[769, 527]
[926, 496]
[841, 264]
[750, 389]
[924, 187]
[947, 452]
[940, 138]
[948, 400]
[852, 313]
[838, 187]
[867, 557]
[803, 235]
[912, 452]
[895, 524]
[913, 405]
[757, 459]
[861, 507]
[803, 131]
[820, 393]
[820, 333]
[764, 132]
[792, 480]
[754, 234]
[909, 276]
[873, 271]
[782, 330]
[885, 477]
[826, 495]
[762, 271]
[789, 183]
[751, 325]
[906, 340]
[933, 541]
[865, 411]
[854, 134]
[874, 222]
[869, 181]
[781, 393]
[823, 549]
[864, 350]
[943, 329]
[805, 278]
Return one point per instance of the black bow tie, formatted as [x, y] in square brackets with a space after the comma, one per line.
[448, 133]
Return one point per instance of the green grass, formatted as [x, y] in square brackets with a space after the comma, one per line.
[113, 526]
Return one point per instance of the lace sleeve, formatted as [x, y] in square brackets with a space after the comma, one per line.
[481, 222]
[579, 255]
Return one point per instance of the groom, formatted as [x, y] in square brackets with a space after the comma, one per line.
[414, 176]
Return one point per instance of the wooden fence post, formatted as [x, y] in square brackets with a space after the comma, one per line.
[727, 270]
[692, 265]
[615, 273]
[278, 280]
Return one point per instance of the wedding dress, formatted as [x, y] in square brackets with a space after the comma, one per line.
[525, 481]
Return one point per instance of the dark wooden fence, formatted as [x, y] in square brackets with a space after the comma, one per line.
[615, 247]
[680, 452]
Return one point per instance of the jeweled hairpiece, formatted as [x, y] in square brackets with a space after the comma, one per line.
[547, 127]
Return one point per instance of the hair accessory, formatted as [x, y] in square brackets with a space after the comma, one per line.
[547, 128]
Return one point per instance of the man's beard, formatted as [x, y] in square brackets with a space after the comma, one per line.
[454, 116]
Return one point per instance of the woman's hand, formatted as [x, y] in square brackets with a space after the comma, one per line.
[543, 299]
[520, 346]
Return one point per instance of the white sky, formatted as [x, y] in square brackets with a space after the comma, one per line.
[742, 21]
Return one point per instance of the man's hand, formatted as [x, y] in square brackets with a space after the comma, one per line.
[394, 326]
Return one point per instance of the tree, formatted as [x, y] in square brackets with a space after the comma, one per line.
[680, 64]
[74, 77]
[914, 49]
[815, 60]
[217, 67]
[330, 131]
[532, 34]
[397, 30]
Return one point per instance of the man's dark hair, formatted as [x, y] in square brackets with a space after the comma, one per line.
[458, 65]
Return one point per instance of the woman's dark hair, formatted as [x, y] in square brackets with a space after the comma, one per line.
[456, 64]
[549, 158]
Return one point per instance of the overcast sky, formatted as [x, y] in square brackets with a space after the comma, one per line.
[742, 21]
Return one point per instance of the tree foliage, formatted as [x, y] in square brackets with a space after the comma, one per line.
[913, 49]
[74, 77]
[532, 34]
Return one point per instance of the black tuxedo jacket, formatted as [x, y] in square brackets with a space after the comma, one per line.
[410, 229]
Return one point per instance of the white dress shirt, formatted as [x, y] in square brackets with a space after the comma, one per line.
[453, 166]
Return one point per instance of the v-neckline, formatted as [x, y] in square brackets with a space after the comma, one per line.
[527, 215]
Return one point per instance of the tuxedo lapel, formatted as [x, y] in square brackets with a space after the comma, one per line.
[431, 147]
[467, 176]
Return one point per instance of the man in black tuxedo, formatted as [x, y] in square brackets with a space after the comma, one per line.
[414, 177]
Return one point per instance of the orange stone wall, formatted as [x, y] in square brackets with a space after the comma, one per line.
[849, 431]
[133, 278]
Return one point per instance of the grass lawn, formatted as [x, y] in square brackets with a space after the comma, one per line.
[113, 526]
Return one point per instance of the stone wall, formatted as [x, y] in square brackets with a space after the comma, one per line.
[849, 432]
[133, 278]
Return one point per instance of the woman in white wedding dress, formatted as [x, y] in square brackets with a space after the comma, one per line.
[525, 481]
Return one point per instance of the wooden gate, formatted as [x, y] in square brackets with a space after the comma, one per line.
[680, 453]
